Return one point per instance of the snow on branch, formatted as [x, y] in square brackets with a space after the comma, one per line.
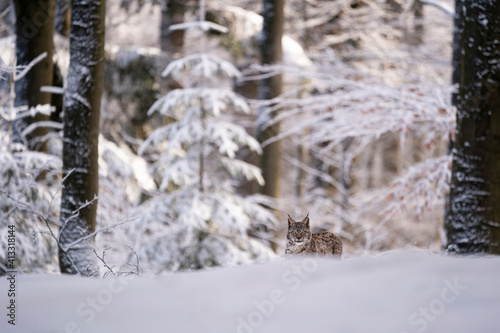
[203, 25]
[213, 100]
[442, 6]
[21, 71]
[199, 218]
[47, 124]
[362, 108]
[424, 185]
[52, 90]
[93, 234]
[201, 64]
[10, 114]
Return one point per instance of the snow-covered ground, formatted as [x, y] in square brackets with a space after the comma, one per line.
[393, 292]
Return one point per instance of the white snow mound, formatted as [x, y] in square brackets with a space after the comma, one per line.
[394, 292]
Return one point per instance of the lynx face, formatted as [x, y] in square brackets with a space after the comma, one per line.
[299, 233]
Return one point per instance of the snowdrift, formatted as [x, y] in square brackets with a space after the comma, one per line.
[393, 292]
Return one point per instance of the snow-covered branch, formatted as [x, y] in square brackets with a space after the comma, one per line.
[442, 6]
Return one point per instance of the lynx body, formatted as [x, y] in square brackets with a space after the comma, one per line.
[300, 239]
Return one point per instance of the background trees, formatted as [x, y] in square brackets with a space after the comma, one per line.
[34, 36]
[271, 51]
[198, 219]
[473, 211]
[364, 121]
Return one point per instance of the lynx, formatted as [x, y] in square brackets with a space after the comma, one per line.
[301, 240]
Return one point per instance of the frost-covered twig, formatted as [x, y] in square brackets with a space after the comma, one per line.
[93, 234]
[137, 262]
[25, 69]
[110, 269]
[429, 180]
[47, 124]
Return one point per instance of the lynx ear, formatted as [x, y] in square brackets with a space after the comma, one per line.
[290, 220]
[306, 220]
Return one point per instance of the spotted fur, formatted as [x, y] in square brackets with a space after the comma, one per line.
[300, 239]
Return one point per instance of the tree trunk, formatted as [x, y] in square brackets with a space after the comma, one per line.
[473, 214]
[456, 48]
[416, 37]
[81, 133]
[172, 41]
[63, 17]
[418, 24]
[271, 53]
[34, 36]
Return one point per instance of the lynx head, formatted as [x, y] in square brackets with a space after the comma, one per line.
[299, 233]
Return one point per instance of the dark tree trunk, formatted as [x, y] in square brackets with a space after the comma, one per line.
[473, 214]
[395, 6]
[34, 36]
[63, 17]
[271, 53]
[82, 102]
[172, 41]
[418, 23]
[456, 48]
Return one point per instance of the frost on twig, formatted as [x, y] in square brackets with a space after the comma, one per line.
[20, 71]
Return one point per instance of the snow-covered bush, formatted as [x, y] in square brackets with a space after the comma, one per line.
[29, 191]
[31, 205]
[198, 219]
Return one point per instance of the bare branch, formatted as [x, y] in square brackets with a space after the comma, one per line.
[110, 269]
[79, 240]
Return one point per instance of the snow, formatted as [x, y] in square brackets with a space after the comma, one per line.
[393, 292]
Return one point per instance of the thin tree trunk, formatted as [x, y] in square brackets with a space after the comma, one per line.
[473, 214]
[418, 23]
[172, 41]
[81, 133]
[269, 88]
[34, 36]
[63, 17]
[456, 48]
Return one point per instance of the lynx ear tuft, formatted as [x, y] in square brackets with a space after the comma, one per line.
[306, 220]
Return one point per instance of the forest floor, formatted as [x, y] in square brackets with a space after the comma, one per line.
[391, 292]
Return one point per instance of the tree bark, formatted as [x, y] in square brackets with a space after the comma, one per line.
[473, 214]
[418, 24]
[269, 88]
[34, 36]
[63, 17]
[81, 133]
[172, 41]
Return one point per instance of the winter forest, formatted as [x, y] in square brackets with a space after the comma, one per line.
[159, 138]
